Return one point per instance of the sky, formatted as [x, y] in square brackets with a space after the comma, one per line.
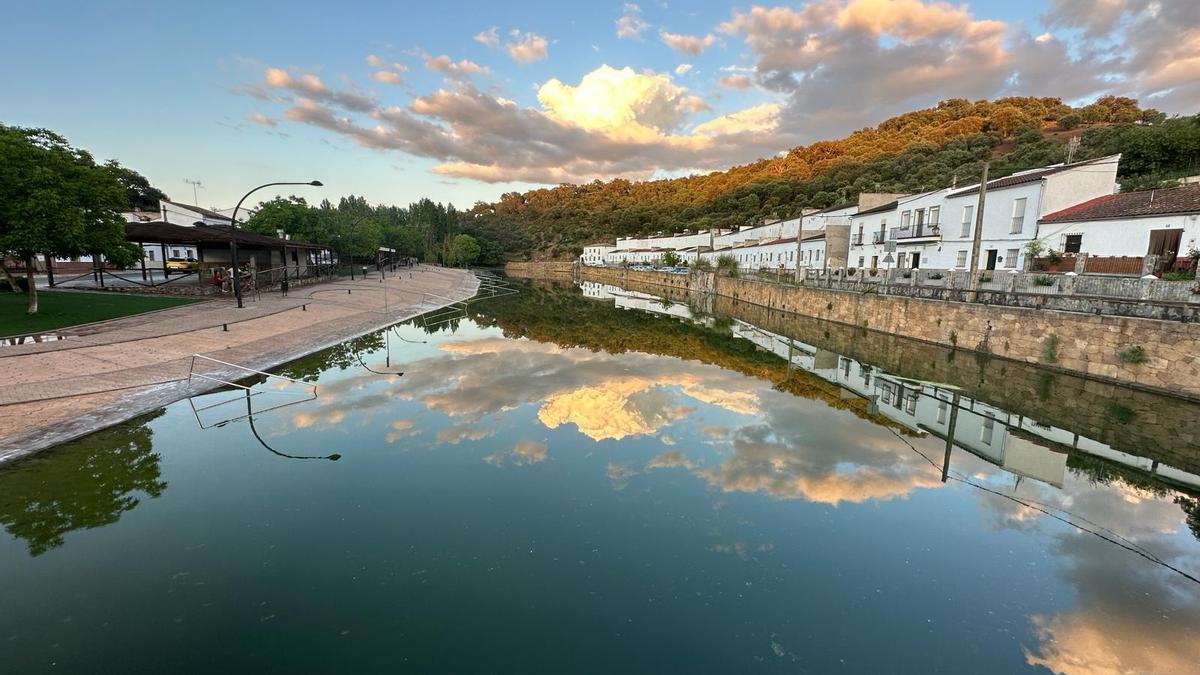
[462, 102]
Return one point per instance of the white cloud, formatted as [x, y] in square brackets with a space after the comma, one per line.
[261, 119]
[630, 24]
[489, 37]
[373, 60]
[387, 77]
[682, 68]
[454, 69]
[687, 44]
[735, 82]
[526, 47]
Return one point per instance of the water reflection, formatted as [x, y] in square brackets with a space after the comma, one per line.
[81, 485]
[603, 474]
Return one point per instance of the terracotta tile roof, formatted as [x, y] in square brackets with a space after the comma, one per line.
[1184, 199]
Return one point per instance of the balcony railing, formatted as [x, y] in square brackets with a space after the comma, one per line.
[920, 231]
[878, 237]
[858, 239]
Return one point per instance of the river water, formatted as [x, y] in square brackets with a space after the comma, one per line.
[602, 480]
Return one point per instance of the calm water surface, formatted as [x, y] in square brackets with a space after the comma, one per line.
[614, 483]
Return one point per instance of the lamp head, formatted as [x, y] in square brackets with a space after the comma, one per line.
[316, 183]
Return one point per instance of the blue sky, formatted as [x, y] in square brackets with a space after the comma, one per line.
[234, 94]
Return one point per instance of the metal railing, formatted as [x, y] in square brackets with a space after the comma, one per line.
[309, 394]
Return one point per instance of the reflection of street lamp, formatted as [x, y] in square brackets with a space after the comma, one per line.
[250, 415]
[237, 273]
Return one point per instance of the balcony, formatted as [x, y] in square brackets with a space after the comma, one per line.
[858, 239]
[878, 237]
[910, 234]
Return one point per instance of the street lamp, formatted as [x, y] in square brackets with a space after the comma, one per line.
[237, 273]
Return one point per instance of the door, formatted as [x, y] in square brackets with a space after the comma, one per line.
[1165, 245]
[991, 259]
[916, 260]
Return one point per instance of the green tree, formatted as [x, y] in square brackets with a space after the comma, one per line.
[55, 200]
[463, 250]
[140, 195]
[671, 259]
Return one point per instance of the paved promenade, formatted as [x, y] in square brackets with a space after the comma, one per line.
[106, 373]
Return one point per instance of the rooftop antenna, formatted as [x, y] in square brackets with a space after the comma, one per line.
[195, 184]
[1072, 146]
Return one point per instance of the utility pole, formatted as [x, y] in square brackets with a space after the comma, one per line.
[977, 236]
[1072, 146]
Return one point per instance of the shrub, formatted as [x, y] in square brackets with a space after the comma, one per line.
[936, 275]
[985, 278]
[1178, 275]
[1069, 121]
[702, 265]
[727, 263]
[1132, 354]
[907, 274]
[1043, 280]
[954, 337]
[1050, 349]
[850, 271]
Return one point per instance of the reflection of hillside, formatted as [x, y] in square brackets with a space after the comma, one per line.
[561, 316]
[84, 484]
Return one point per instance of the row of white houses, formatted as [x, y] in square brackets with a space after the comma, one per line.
[1067, 208]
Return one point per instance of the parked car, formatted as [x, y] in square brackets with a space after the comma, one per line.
[182, 263]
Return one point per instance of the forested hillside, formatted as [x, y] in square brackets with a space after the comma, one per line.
[920, 150]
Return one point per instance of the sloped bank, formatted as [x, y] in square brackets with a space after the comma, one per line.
[1161, 356]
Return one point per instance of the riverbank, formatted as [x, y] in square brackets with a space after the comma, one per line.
[103, 374]
[1150, 354]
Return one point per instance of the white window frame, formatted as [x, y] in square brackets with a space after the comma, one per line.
[968, 221]
[1018, 215]
[905, 219]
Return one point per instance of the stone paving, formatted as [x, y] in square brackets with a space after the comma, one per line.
[106, 373]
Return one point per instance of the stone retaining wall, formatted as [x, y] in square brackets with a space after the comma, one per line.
[1098, 346]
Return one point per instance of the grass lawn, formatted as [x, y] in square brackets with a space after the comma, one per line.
[57, 309]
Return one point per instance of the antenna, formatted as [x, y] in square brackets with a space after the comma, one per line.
[195, 184]
[1072, 146]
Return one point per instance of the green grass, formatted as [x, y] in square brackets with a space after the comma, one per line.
[57, 309]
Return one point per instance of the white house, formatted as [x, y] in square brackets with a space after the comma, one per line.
[594, 255]
[1013, 207]
[1151, 222]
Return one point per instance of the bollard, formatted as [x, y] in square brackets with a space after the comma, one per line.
[347, 291]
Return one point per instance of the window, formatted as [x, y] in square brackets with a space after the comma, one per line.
[874, 261]
[1010, 258]
[961, 259]
[910, 404]
[1073, 243]
[942, 407]
[861, 260]
[935, 215]
[905, 219]
[901, 259]
[175, 253]
[1018, 215]
[985, 432]
[968, 219]
[151, 255]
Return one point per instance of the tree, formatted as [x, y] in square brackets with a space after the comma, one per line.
[55, 200]
[671, 259]
[1069, 121]
[140, 195]
[463, 250]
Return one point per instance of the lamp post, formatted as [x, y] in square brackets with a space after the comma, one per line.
[233, 253]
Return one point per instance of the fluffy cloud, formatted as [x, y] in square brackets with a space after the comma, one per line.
[687, 44]
[387, 77]
[312, 88]
[899, 54]
[454, 69]
[628, 104]
[261, 119]
[735, 82]
[526, 47]
[630, 24]
[489, 37]
[682, 68]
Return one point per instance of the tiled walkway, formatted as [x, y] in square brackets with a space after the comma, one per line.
[106, 373]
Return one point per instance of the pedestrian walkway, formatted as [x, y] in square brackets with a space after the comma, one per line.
[112, 371]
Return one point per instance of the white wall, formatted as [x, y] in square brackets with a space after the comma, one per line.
[1121, 236]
